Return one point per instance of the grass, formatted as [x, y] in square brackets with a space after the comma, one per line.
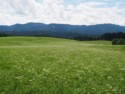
[41, 65]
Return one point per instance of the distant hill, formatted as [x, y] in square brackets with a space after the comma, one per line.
[60, 30]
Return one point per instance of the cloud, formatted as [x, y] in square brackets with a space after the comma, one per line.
[54, 11]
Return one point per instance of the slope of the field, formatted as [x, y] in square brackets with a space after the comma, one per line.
[35, 65]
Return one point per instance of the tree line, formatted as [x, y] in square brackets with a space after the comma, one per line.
[114, 37]
[111, 36]
[105, 36]
[2, 34]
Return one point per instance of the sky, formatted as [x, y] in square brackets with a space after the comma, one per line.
[76, 12]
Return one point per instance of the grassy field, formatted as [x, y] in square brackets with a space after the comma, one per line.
[35, 65]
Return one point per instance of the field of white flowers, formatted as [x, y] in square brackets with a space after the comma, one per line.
[34, 65]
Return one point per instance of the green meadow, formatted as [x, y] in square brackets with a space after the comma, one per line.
[43, 65]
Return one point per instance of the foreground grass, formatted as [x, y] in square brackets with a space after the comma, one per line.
[31, 65]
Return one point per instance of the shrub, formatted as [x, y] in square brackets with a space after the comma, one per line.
[118, 42]
[114, 41]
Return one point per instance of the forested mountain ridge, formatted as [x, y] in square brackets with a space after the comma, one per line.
[60, 30]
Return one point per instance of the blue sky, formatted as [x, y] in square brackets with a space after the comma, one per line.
[85, 12]
[109, 3]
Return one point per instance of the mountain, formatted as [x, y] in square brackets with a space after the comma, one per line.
[60, 30]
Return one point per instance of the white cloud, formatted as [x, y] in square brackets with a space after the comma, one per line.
[54, 11]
